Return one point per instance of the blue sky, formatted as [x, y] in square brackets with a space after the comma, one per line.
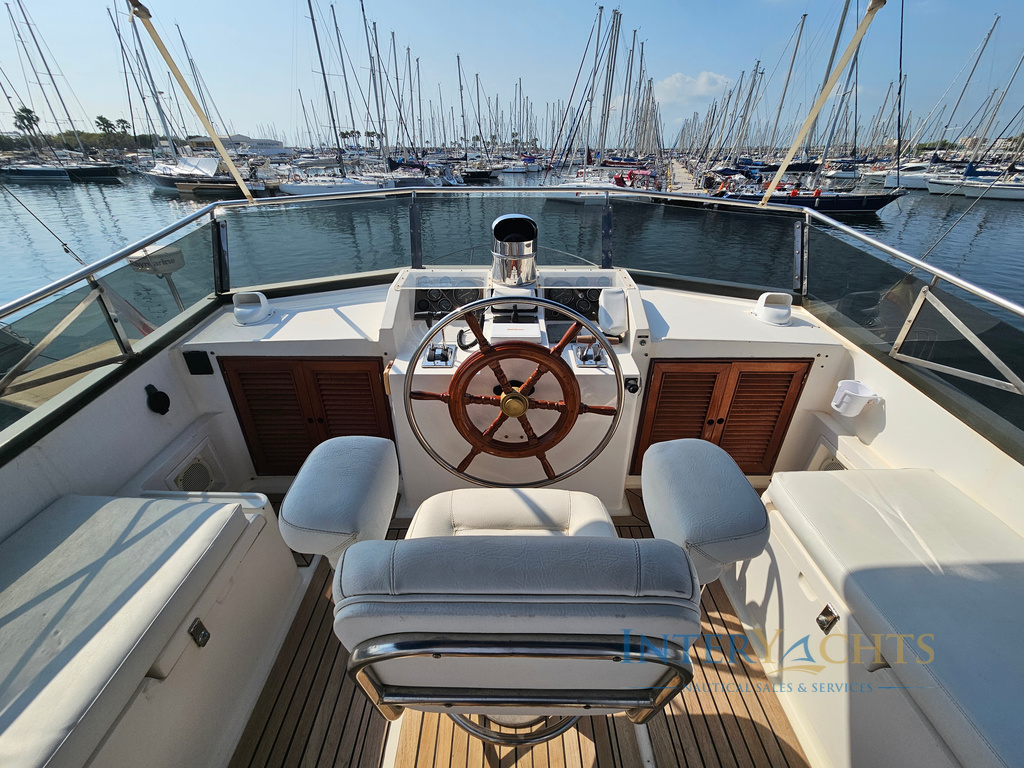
[256, 55]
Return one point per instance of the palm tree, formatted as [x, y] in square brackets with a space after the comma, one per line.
[25, 120]
[104, 125]
[122, 125]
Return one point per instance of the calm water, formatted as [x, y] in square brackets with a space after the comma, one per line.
[987, 247]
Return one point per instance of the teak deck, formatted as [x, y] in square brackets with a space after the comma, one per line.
[311, 715]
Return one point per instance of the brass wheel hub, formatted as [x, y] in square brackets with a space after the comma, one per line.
[514, 404]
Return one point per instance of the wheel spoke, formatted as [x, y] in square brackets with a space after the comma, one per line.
[464, 464]
[600, 410]
[548, 470]
[531, 436]
[548, 405]
[489, 432]
[556, 351]
[481, 400]
[444, 397]
[488, 350]
[478, 331]
[571, 334]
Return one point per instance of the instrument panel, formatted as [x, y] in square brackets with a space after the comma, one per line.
[434, 303]
[581, 294]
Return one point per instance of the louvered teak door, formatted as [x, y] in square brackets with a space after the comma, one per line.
[274, 409]
[348, 397]
[681, 398]
[744, 406]
[288, 406]
[759, 400]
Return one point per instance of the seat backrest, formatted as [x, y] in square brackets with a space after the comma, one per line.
[522, 603]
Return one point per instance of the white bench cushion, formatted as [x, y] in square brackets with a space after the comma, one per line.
[909, 553]
[508, 511]
[90, 591]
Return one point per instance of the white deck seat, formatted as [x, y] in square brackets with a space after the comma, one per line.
[511, 511]
[911, 554]
[494, 586]
[91, 590]
[344, 492]
[697, 496]
[515, 574]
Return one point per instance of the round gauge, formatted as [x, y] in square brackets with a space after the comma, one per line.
[446, 282]
[433, 294]
[604, 281]
[444, 305]
[422, 305]
[582, 281]
[583, 305]
[465, 295]
[593, 294]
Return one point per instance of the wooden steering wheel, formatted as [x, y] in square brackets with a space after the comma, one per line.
[514, 402]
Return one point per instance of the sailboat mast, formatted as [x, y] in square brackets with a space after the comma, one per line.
[419, 100]
[344, 74]
[309, 130]
[373, 76]
[785, 87]
[462, 103]
[153, 89]
[968, 81]
[327, 89]
[606, 103]
[828, 69]
[53, 80]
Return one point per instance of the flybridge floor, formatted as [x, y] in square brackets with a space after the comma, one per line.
[312, 714]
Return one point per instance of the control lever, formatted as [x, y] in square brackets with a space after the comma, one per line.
[437, 354]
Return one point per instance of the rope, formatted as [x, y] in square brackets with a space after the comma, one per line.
[65, 246]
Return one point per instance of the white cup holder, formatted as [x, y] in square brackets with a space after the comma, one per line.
[851, 397]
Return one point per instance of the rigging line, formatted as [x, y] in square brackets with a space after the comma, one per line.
[1013, 162]
[899, 103]
[568, 105]
[65, 246]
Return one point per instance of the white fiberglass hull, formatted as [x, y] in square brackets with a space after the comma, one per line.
[998, 191]
[945, 186]
[907, 180]
[333, 187]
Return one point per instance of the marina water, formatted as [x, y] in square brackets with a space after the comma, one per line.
[986, 247]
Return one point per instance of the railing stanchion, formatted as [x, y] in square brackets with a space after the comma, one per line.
[798, 255]
[606, 233]
[110, 315]
[415, 235]
[221, 272]
[805, 249]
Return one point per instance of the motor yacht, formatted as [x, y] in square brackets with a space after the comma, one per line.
[298, 482]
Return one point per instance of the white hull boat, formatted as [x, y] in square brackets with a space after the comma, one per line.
[1000, 190]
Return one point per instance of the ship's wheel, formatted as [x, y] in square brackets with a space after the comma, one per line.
[513, 400]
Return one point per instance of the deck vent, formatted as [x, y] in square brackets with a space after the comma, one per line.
[197, 476]
[831, 464]
[200, 471]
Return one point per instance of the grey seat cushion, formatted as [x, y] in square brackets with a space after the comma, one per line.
[696, 496]
[91, 589]
[911, 554]
[344, 492]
